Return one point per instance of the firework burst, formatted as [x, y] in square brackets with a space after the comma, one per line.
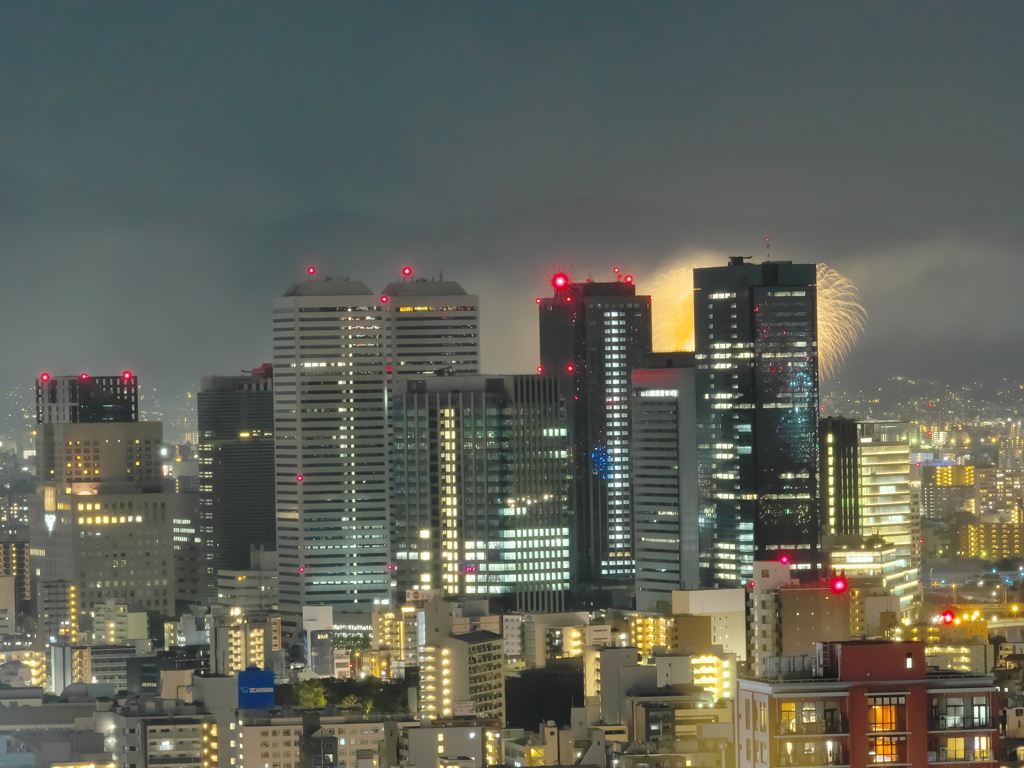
[672, 310]
[841, 318]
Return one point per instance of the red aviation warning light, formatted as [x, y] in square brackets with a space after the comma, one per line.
[629, 278]
[384, 299]
[310, 270]
[538, 301]
[127, 375]
[570, 368]
[948, 617]
[406, 271]
[83, 376]
[784, 559]
[44, 377]
[302, 569]
[560, 281]
[299, 478]
[838, 585]
[616, 270]
[540, 369]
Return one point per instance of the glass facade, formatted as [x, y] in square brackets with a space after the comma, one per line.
[757, 410]
[479, 488]
[592, 336]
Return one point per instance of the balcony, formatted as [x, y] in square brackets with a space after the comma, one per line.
[941, 755]
[960, 723]
[814, 760]
[836, 726]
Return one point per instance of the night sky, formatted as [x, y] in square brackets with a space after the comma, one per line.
[167, 168]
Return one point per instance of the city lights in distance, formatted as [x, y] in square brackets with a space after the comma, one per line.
[560, 280]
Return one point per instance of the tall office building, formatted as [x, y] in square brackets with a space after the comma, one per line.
[430, 327]
[102, 528]
[236, 465]
[330, 448]
[337, 346]
[480, 474]
[664, 476]
[864, 488]
[757, 406]
[592, 336]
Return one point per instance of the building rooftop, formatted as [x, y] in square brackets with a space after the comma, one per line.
[479, 636]
[425, 288]
[329, 287]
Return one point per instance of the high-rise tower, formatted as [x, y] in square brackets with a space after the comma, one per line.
[664, 478]
[480, 481]
[757, 408]
[592, 335]
[330, 448]
[236, 464]
[339, 349]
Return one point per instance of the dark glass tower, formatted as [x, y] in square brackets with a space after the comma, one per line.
[592, 336]
[236, 466]
[757, 410]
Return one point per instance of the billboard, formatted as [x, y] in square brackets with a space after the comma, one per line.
[256, 689]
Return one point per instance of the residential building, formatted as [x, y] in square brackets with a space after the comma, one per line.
[864, 703]
[463, 676]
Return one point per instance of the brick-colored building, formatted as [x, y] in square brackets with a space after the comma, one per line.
[863, 703]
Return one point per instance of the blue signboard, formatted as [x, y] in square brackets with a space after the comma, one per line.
[256, 689]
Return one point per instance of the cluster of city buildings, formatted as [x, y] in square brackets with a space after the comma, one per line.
[719, 573]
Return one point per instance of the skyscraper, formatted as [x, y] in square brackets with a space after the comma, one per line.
[330, 448]
[338, 350]
[592, 335]
[480, 484]
[430, 327]
[236, 464]
[664, 477]
[757, 408]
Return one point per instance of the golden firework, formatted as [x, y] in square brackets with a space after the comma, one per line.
[841, 318]
[672, 310]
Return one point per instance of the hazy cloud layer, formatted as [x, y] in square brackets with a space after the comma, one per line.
[166, 169]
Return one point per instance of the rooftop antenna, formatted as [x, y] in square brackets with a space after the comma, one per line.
[768, 249]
